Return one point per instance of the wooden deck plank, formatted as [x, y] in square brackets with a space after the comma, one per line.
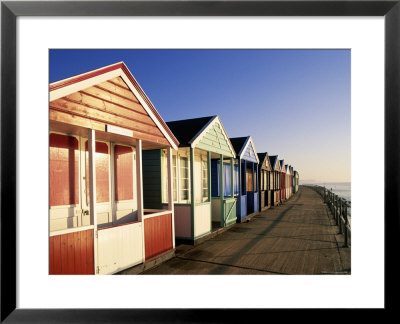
[298, 237]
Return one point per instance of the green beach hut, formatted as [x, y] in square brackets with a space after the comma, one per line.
[196, 211]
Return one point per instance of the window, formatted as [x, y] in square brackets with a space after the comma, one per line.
[102, 174]
[123, 169]
[236, 178]
[201, 177]
[249, 180]
[64, 170]
[227, 179]
[204, 178]
[184, 178]
[180, 177]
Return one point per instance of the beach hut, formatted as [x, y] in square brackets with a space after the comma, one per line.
[296, 181]
[276, 185]
[266, 181]
[282, 179]
[287, 179]
[202, 168]
[100, 123]
[247, 173]
[291, 182]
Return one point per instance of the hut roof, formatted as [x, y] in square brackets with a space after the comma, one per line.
[238, 142]
[196, 132]
[186, 129]
[281, 163]
[273, 159]
[240, 145]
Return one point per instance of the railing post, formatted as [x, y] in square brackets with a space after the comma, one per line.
[337, 210]
[346, 232]
[340, 216]
[334, 208]
[328, 196]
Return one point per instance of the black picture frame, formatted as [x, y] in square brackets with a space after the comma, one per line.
[10, 10]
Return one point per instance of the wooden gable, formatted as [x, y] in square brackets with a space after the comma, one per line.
[109, 98]
[277, 165]
[213, 138]
[282, 166]
[248, 151]
[266, 163]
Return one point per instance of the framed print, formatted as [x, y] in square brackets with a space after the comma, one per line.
[26, 28]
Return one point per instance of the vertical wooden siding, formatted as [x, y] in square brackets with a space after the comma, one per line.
[202, 219]
[71, 253]
[183, 221]
[119, 247]
[157, 235]
[152, 190]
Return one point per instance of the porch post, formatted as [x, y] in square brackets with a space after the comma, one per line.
[192, 188]
[209, 185]
[209, 175]
[92, 191]
[232, 178]
[254, 187]
[170, 192]
[245, 177]
[221, 188]
[254, 180]
[139, 190]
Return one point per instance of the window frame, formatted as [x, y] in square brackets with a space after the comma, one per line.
[176, 155]
[79, 204]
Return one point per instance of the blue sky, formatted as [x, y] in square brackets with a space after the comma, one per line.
[294, 103]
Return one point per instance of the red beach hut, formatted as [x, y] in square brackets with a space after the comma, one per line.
[100, 122]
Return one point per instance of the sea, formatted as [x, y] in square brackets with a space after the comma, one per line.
[342, 189]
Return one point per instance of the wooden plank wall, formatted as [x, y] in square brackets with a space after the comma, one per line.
[152, 177]
[71, 253]
[157, 235]
[110, 102]
[215, 141]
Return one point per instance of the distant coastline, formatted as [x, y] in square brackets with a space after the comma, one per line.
[342, 189]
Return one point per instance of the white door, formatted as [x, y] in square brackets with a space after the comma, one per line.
[103, 183]
[124, 184]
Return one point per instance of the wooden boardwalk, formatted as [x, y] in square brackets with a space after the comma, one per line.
[298, 237]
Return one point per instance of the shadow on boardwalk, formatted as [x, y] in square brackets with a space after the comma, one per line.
[298, 237]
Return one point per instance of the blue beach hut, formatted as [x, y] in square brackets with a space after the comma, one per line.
[246, 173]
